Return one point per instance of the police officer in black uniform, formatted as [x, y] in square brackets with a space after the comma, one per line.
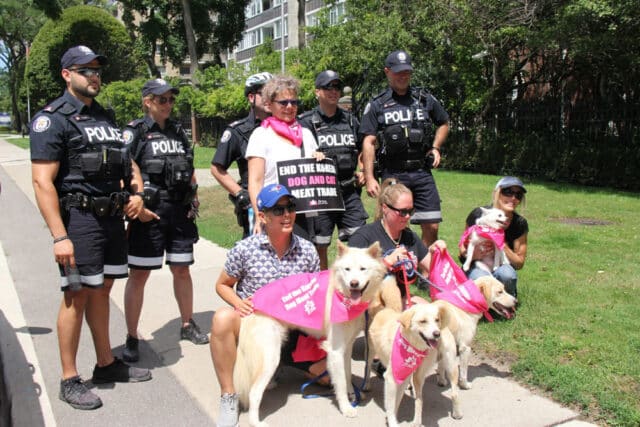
[232, 148]
[336, 132]
[159, 145]
[79, 165]
[399, 123]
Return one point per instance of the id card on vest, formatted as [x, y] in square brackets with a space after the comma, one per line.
[314, 184]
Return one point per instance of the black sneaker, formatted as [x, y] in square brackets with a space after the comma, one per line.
[75, 393]
[119, 372]
[130, 352]
[192, 333]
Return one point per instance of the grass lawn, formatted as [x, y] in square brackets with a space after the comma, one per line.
[577, 332]
[20, 142]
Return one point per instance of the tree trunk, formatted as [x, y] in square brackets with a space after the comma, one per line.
[302, 40]
[193, 57]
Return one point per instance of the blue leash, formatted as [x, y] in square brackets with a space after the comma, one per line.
[356, 390]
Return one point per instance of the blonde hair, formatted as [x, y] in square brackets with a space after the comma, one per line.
[389, 194]
[279, 84]
[496, 194]
[149, 97]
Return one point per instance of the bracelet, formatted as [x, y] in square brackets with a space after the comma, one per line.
[60, 239]
[436, 148]
[140, 193]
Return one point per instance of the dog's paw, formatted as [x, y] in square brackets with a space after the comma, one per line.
[349, 411]
[442, 382]
[262, 424]
[465, 385]
[456, 415]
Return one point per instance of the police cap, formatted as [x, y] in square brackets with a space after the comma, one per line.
[80, 55]
[326, 77]
[157, 87]
[398, 61]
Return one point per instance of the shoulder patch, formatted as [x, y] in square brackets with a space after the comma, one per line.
[41, 124]
[127, 136]
[225, 136]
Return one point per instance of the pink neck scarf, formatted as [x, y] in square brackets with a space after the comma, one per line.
[405, 358]
[494, 234]
[290, 131]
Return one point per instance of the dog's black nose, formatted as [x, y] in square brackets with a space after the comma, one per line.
[354, 284]
[436, 334]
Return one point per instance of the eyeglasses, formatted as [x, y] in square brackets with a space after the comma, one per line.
[88, 72]
[163, 99]
[332, 87]
[285, 102]
[278, 210]
[511, 193]
[403, 212]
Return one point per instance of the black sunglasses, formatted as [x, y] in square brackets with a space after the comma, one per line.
[509, 192]
[163, 99]
[88, 72]
[333, 86]
[285, 102]
[403, 212]
[278, 210]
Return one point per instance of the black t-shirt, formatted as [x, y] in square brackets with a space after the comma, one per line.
[368, 234]
[517, 228]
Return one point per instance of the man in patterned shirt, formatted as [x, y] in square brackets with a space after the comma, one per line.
[253, 262]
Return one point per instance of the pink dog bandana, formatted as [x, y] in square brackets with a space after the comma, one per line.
[300, 300]
[291, 131]
[494, 234]
[405, 358]
[451, 284]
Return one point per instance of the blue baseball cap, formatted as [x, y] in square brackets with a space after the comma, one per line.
[80, 55]
[270, 195]
[158, 87]
[510, 181]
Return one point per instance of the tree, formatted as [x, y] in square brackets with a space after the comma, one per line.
[87, 25]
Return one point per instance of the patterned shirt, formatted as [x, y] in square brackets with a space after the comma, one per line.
[254, 262]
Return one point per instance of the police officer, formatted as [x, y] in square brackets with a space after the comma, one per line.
[233, 145]
[335, 131]
[160, 146]
[399, 122]
[79, 163]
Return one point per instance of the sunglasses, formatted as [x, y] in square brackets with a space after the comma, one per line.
[285, 102]
[332, 87]
[163, 99]
[510, 193]
[403, 212]
[278, 210]
[88, 72]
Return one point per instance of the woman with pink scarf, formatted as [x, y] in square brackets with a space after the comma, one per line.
[279, 137]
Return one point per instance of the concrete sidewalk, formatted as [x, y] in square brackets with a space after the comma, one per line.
[184, 390]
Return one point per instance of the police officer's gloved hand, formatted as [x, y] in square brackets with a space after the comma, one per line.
[243, 202]
[194, 211]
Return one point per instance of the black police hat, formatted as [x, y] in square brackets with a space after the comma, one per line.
[80, 55]
[326, 77]
[398, 61]
[158, 87]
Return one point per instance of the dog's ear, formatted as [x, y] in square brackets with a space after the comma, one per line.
[405, 318]
[342, 248]
[484, 285]
[443, 313]
[484, 210]
[374, 250]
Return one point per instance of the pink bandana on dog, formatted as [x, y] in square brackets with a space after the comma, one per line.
[496, 235]
[405, 358]
[300, 300]
[451, 284]
[291, 131]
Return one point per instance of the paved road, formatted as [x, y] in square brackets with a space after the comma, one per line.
[184, 390]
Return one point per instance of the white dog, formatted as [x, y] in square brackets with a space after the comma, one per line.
[463, 325]
[420, 330]
[489, 228]
[357, 274]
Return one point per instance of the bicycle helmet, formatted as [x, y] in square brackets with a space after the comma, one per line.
[255, 82]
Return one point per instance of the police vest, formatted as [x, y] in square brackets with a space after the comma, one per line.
[167, 162]
[406, 130]
[96, 153]
[337, 141]
[243, 128]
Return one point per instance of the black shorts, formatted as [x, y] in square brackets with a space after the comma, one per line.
[348, 221]
[426, 199]
[100, 247]
[173, 233]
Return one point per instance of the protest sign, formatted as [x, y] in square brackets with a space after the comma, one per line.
[313, 183]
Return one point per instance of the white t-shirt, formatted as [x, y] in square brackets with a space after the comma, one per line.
[273, 148]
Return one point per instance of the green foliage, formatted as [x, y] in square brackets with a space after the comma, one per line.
[77, 25]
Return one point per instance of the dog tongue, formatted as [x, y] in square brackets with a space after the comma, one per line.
[355, 296]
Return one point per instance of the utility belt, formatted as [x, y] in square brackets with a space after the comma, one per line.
[348, 184]
[102, 206]
[153, 196]
[405, 165]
